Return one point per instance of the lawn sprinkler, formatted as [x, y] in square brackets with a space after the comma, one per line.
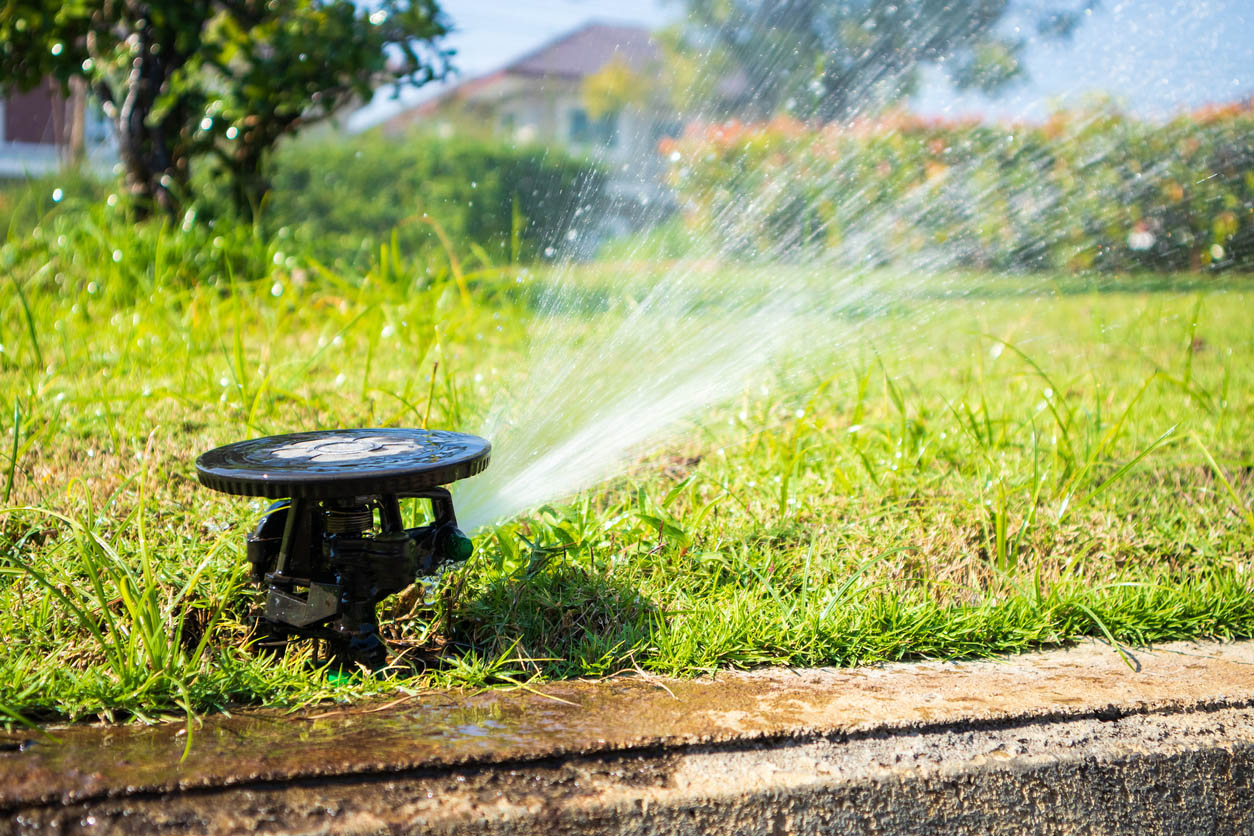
[334, 544]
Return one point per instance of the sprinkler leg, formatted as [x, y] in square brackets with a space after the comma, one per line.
[364, 645]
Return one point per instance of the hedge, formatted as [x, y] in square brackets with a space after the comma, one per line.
[343, 196]
[1092, 189]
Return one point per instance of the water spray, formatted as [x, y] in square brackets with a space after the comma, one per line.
[334, 544]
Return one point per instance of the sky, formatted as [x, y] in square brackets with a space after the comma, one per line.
[1154, 56]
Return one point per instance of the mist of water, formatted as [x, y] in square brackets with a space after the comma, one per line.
[674, 341]
[691, 336]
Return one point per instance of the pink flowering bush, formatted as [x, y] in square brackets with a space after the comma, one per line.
[1092, 189]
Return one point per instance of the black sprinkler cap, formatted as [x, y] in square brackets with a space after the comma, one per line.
[331, 464]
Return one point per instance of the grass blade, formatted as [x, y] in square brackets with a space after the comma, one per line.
[1242, 508]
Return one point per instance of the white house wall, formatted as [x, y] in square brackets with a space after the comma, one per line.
[542, 111]
[40, 159]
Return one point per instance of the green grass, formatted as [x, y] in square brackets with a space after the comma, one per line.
[980, 474]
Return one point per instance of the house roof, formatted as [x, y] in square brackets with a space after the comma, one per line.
[585, 50]
[573, 56]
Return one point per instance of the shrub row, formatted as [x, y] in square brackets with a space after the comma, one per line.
[1093, 189]
[343, 197]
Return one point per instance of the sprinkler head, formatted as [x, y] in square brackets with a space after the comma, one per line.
[334, 544]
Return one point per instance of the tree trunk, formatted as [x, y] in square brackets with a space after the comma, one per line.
[156, 173]
[153, 178]
[76, 130]
[249, 184]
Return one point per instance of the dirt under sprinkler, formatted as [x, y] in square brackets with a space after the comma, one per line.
[335, 544]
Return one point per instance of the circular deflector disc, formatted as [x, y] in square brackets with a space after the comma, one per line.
[343, 463]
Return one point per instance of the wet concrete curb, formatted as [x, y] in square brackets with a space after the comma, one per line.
[1052, 742]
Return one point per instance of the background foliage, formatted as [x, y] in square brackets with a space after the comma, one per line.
[1086, 189]
[340, 197]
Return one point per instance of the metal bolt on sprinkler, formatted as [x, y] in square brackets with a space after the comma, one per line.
[334, 544]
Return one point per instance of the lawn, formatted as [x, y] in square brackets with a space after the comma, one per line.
[987, 465]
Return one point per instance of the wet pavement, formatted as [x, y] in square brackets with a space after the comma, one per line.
[571, 745]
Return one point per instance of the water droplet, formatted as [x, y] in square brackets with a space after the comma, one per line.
[57, 194]
[1141, 240]
[276, 289]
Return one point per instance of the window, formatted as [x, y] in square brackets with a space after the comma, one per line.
[585, 130]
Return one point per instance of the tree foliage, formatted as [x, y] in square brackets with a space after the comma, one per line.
[217, 79]
[829, 59]
[613, 87]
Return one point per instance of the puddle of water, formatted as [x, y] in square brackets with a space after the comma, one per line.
[442, 729]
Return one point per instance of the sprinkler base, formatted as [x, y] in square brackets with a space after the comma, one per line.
[328, 553]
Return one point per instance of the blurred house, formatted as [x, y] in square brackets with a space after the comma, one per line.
[42, 129]
[543, 97]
